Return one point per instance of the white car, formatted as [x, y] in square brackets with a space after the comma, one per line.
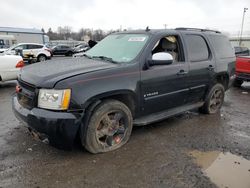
[10, 66]
[40, 51]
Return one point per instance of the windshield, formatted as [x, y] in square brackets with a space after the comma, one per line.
[119, 47]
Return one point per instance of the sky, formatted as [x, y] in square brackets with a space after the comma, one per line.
[223, 15]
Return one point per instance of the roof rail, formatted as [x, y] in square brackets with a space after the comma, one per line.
[196, 29]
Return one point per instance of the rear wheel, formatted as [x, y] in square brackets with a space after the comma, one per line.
[69, 54]
[238, 83]
[41, 58]
[109, 127]
[214, 100]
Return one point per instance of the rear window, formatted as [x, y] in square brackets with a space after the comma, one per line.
[222, 46]
[197, 48]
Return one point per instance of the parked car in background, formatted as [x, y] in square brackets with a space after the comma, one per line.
[39, 51]
[242, 70]
[62, 50]
[241, 51]
[83, 47]
[10, 66]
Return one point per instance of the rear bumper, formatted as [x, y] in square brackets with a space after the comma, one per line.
[243, 76]
[60, 127]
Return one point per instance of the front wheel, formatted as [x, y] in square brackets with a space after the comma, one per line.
[69, 54]
[214, 100]
[109, 127]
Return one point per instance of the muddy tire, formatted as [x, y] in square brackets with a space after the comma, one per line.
[214, 99]
[237, 83]
[109, 127]
[41, 58]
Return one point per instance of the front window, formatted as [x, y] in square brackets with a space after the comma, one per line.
[121, 48]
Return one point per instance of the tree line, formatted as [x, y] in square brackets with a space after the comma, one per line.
[66, 33]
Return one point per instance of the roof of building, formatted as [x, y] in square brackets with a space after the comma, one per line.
[244, 38]
[20, 30]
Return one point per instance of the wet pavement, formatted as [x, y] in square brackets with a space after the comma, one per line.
[189, 150]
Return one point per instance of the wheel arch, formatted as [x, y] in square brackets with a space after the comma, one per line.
[42, 54]
[222, 78]
[125, 96]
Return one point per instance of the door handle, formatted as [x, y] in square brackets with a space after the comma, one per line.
[182, 72]
[210, 67]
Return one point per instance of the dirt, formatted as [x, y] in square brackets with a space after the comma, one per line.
[157, 155]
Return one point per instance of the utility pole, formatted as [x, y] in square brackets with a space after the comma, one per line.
[242, 24]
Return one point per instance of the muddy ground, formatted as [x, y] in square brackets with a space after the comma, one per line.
[156, 156]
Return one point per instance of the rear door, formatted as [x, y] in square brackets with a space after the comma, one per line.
[201, 66]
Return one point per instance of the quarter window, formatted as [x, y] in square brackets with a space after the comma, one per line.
[197, 48]
[222, 46]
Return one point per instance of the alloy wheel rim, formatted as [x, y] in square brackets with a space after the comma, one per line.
[216, 100]
[112, 129]
[42, 58]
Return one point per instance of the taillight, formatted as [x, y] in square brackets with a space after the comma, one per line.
[18, 89]
[20, 64]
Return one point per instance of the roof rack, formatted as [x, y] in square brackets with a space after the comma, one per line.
[196, 29]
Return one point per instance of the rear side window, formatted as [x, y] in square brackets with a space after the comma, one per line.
[222, 46]
[33, 46]
[65, 47]
[197, 48]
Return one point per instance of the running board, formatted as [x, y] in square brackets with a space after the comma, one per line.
[165, 114]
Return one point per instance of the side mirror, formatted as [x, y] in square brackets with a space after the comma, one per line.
[161, 58]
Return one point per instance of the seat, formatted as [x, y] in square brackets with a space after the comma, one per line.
[169, 47]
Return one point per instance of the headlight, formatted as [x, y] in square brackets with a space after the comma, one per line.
[54, 99]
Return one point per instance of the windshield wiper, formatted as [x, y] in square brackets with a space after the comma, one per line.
[88, 56]
[109, 59]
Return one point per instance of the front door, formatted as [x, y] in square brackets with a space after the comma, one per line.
[164, 86]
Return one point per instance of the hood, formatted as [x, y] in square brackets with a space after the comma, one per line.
[47, 74]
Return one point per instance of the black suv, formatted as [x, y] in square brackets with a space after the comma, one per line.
[62, 50]
[129, 78]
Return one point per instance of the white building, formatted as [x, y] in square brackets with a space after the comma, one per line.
[245, 41]
[23, 35]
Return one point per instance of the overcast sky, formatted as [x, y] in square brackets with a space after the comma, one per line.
[225, 15]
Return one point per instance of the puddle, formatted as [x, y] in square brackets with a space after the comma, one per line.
[224, 169]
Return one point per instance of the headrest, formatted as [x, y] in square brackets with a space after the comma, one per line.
[167, 45]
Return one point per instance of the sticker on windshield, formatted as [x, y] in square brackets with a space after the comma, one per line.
[136, 39]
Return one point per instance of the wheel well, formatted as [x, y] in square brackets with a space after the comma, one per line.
[223, 79]
[41, 55]
[127, 99]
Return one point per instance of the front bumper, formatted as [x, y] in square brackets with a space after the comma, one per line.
[60, 127]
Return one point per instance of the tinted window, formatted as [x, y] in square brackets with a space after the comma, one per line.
[222, 46]
[197, 48]
[65, 47]
[237, 49]
[33, 46]
[23, 47]
[1, 42]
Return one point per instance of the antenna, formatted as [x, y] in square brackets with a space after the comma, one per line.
[147, 29]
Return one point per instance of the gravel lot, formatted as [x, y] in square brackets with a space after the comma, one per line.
[158, 155]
